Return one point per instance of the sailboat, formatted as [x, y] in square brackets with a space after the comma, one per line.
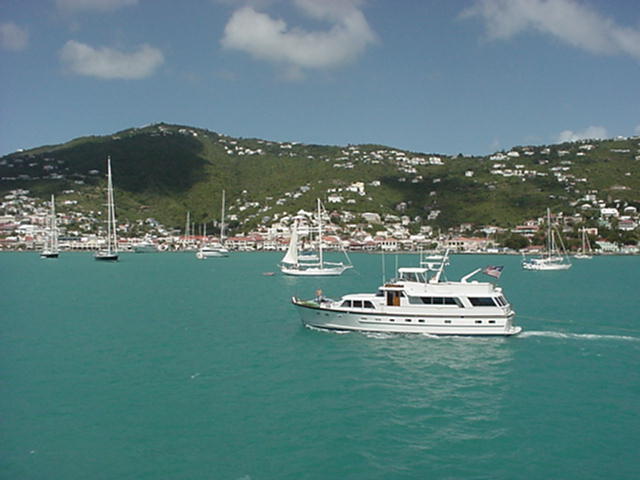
[215, 249]
[110, 252]
[585, 252]
[50, 249]
[293, 263]
[554, 258]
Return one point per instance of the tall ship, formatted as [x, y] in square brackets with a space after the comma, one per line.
[50, 249]
[110, 252]
[554, 257]
[418, 300]
[297, 264]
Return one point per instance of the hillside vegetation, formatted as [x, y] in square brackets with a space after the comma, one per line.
[162, 171]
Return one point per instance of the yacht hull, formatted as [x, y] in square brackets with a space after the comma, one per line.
[106, 257]
[210, 254]
[315, 271]
[145, 249]
[314, 315]
[546, 266]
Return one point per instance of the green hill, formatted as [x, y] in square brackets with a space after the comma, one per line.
[162, 171]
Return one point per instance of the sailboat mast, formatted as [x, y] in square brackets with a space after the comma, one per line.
[113, 212]
[187, 226]
[109, 206]
[53, 226]
[320, 252]
[222, 221]
[549, 234]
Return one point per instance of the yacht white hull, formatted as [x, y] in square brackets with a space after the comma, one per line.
[546, 266]
[582, 256]
[212, 254]
[315, 271]
[145, 249]
[106, 256]
[314, 315]
[47, 254]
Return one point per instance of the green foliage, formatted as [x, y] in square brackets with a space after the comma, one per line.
[163, 171]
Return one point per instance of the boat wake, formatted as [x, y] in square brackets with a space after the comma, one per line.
[577, 336]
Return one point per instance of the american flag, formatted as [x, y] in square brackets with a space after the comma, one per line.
[493, 270]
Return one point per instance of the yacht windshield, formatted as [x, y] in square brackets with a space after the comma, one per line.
[412, 276]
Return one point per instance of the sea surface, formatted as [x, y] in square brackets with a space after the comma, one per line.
[162, 366]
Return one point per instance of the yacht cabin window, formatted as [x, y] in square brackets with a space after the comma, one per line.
[482, 301]
[435, 301]
[357, 304]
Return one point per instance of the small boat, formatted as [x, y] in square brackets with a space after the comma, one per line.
[50, 249]
[217, 249]
[585, 252]
[145, 246]
[417, 301]
[297, 264]
[110, 252]
[554, 256]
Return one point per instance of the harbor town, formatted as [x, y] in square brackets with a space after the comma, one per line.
[23, 228]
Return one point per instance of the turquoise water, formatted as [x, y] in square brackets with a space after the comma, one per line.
[163, 366]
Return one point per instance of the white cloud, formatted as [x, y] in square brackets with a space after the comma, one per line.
[570, 21]
[589, 133]
[266, 38]
[12, 37]
[96, 5]
[109, 63]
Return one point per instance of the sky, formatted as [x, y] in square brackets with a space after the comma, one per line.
[430, 76]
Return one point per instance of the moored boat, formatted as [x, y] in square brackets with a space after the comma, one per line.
[50, 249]
[585, 252]
[554, 257]
[145, 246]
[216, 249]
[311, 265]
[417, 301]
[110, 252]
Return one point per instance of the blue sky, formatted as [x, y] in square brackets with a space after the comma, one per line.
[432, 76]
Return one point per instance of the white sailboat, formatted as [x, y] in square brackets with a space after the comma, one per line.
[50, 249]
[110, 252]
[293, 263]
[585, 252]
[215, 249]
[554, 257]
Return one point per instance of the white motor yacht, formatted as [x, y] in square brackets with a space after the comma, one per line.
[145, 246]
[417, 301]
[213, 250]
